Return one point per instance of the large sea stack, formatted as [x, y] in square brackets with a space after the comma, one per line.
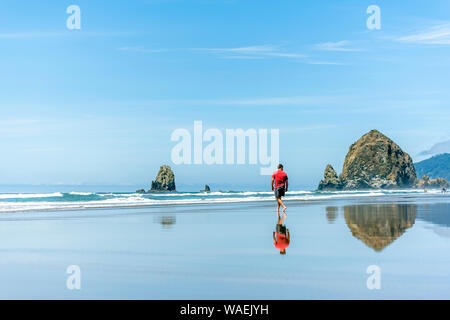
[373, 162]
[165, 180]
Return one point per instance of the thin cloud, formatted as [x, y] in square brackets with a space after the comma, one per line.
[255, 52]
[23, 35]
[50, 34]
[326, 63]
[141, 49]
[242, 50]
[265, 101]
[247, 52]
[438, 35]
[336, 46]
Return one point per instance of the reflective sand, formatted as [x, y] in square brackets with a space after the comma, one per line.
[224, 251]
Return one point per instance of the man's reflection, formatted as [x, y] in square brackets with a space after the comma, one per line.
[281, 237]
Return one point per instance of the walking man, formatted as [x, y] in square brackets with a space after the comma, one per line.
[280, 179]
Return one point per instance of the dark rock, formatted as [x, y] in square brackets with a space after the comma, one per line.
[207, 189]
[330, 180]
[165, 180]
[140, 191]
[373, 162]
[426, 182]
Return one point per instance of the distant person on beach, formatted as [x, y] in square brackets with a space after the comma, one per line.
[281, 237]
[281, 186]
[444, 190]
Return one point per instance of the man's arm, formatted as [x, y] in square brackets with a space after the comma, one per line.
[273, 179]
[287, 184]
[274, 238]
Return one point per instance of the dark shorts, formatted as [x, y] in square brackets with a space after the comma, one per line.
[281, 229]
[279, 192]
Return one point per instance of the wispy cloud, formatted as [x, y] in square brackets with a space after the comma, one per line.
[242, 50]
[250, 102]
[336, 46]
[54, 34]
[255, 52]
[327, 63]
[141, 49]
[22, 35]
[438, 34]
[247, 52]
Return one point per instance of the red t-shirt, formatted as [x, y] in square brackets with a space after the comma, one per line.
[282, 242]
[280, 178]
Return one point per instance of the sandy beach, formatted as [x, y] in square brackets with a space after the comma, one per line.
[226, 251]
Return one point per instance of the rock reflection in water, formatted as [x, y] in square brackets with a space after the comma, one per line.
[332, 213]
[379, 225]
[167, 221]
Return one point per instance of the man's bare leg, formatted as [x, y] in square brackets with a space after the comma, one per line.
[280, 203]
[278, 208]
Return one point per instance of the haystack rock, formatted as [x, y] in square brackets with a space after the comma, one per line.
[373, 162]
[165, 180]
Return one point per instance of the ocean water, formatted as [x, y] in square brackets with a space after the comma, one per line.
[55, 201]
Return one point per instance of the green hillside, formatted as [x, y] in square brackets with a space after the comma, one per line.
[437, 166]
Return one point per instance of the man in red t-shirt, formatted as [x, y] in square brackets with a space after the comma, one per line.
[281, 186]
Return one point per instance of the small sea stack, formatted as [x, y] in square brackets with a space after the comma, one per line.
[207, 189]
[164, 182]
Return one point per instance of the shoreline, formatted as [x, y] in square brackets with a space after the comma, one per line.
[302, 197]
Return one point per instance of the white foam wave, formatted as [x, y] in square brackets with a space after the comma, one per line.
[30, 195]
[81, 193]
[138, 200]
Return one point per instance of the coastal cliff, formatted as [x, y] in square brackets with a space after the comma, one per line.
[434, 167]
[372, 162]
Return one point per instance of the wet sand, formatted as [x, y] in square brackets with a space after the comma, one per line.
[226, 251]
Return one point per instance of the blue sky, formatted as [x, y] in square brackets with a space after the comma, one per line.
[98, 105]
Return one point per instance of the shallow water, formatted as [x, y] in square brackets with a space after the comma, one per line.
[56, 201]
[221, 251]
